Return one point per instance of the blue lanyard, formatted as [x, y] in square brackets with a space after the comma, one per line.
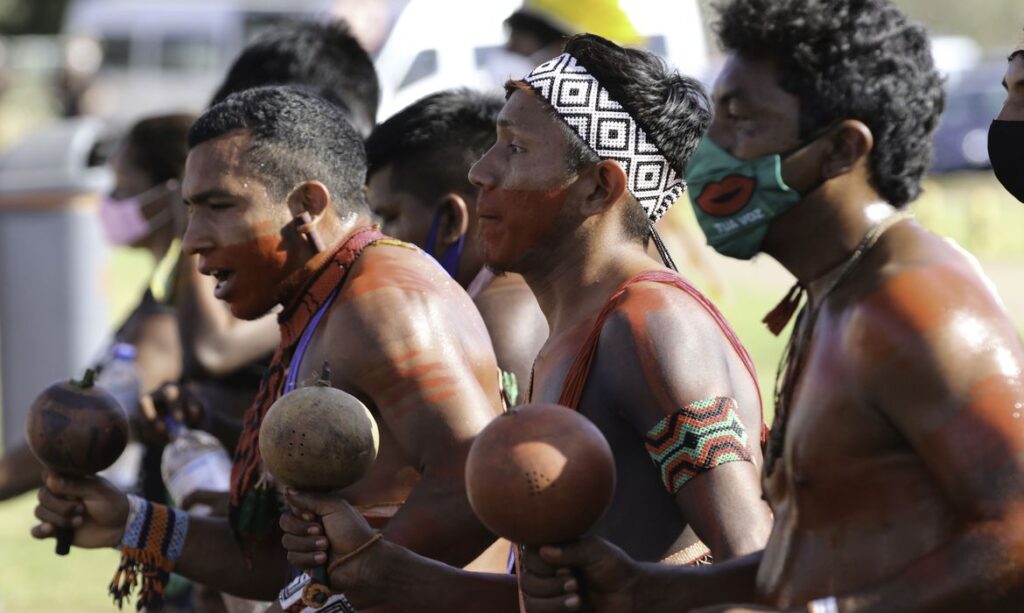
[291, 380]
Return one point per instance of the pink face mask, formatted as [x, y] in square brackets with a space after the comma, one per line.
[123, 221]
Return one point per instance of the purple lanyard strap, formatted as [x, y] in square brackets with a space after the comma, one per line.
[293, 367]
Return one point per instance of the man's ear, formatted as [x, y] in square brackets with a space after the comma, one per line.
[609, 184]
[850, 144]
[311, 197]
[454, 214]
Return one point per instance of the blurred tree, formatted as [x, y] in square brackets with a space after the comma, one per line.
[31, 16]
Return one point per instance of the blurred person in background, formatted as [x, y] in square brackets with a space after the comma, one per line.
[144, 211]
[895, 465]
[538, 30]
[1006, 135]
[325, 59]
[418, 162]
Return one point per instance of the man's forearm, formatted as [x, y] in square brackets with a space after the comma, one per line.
[417, 583]
[662, 588]
[214, 558]
[436, 521]
[981, 570]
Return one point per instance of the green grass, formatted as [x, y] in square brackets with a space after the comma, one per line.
[35, 580]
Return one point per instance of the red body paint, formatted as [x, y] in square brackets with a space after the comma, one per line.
[513, 223]
[257, 268]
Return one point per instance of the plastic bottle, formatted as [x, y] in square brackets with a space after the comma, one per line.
[194, 460]
[120, 377]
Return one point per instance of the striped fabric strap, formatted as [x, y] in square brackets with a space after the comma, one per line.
[695, 439]
[155, 528]
[153, 540]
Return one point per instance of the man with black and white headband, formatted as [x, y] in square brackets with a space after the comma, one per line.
[589, 155]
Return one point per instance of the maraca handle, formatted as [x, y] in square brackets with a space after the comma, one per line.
[64, 538]
[317, 591]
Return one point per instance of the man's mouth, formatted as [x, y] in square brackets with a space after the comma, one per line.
[223, 278]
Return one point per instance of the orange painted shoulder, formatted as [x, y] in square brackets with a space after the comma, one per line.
[667, 301]
[393, 265]
[919, 297]
[925, 293]
[659, 315]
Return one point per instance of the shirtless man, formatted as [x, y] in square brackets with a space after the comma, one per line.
[896, 464]
[1006, 134]
[632, 347]
[395, 333]
[417, 161]
[224, 356]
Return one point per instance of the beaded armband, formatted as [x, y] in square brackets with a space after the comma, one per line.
[695, 439]
[154, 537]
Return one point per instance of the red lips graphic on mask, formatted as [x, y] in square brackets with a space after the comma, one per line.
[727, 196]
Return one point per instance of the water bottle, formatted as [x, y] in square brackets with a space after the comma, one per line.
[119, 376]
[193, 460]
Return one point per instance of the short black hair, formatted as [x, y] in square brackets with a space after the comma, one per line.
[850, 59]
[432, 142]
[321, 56]
[158, 146]
[671, 108]
[295, 137]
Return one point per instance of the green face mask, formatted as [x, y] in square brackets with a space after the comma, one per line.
[735, 199]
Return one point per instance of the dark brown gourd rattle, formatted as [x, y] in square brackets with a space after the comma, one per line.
[318, 438]
[541, 474]
[76, 429]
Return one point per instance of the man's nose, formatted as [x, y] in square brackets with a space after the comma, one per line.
[480, 174]
[196, 238]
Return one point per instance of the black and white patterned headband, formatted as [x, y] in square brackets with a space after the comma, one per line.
[602, 123]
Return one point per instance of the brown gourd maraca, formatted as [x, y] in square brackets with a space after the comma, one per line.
[318, 438]
[540, 474]
[75, 429]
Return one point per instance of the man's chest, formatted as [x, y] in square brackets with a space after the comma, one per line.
[833, 433]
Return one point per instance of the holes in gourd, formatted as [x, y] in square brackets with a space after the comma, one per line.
[536, 482]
